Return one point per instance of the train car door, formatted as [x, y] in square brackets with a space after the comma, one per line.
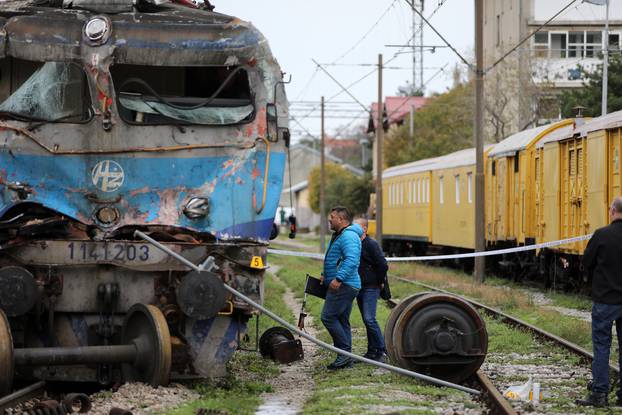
[572, 189]
[614, 164]
[597, 197]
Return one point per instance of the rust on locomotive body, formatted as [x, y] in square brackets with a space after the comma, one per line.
[117, 116]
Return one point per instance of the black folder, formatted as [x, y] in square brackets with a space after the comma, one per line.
[315, 287]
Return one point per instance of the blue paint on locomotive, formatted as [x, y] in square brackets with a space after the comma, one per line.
[153, 189]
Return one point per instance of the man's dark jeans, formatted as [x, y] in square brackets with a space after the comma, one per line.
[367, 300]
[603, 317]
[336, 315]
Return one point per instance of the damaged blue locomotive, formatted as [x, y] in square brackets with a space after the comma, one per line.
[123, 115]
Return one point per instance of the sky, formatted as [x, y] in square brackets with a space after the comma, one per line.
[352, 33]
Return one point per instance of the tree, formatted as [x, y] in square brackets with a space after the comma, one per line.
[443, 125]
[341, 188]
[590, 95]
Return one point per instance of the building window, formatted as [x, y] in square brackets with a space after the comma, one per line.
[541, 44]
[440, 190]
[470, 187]
[575, 44]
[614, 42]
[593, 44]
[498, 30]
[558, 45]
[457, 189]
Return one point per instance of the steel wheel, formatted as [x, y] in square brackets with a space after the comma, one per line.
[6, 355]
[146, 328]
[390, 325]
[440, 335]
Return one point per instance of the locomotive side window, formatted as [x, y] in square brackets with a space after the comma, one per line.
[50, 91]
[215, 95]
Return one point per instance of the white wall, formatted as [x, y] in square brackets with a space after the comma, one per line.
[584, 12]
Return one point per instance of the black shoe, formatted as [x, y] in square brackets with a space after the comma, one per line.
[381, 358]
[598, 400]
[340, 363]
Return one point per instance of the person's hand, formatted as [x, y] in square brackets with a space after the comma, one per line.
[334, 285]
[321, 278]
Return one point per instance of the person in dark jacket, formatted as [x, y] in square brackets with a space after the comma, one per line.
[373, 271]
[341, 263]
[602, 260]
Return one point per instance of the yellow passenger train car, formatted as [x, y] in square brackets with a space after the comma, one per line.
[543, 184]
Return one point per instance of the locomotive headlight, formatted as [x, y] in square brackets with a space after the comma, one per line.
[196, 208]
[107, 215]
[97, 30]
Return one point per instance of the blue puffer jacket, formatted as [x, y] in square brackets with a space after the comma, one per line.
[343, 256]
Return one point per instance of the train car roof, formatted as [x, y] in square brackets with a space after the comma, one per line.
[409, 168]
[166, 34]
[563, 133]
[519, 141]
[459, 158]
[611, 120]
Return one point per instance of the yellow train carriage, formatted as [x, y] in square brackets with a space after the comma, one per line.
[453, 201]
[510, 202]
[406, 207]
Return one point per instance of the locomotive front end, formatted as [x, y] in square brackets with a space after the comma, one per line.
[123, 117]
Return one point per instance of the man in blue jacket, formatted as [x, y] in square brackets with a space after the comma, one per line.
[341, 264]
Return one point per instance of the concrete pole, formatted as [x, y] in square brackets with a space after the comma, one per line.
[379, 138]
[605, 61]
[322, 184]
[480, 221]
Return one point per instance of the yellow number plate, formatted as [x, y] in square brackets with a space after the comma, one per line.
[257, 262]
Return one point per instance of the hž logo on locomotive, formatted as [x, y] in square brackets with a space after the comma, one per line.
[107, 176]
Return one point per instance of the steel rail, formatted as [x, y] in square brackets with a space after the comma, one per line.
[516, 322]
[497, 404]
[22, 395]
[295, 329]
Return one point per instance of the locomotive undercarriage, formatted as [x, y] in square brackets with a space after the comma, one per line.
[64, 285]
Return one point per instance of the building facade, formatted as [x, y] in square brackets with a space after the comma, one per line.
[521, 90]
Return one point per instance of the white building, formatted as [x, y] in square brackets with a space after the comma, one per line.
[551, 56]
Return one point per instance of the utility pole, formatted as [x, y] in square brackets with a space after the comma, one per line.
[605, 61]
[379, 137]
[322, 184]
[480, 221]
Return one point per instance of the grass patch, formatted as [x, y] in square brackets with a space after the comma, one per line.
[508, 297]
[362, 389]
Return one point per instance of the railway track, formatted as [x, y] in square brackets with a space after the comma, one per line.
[494, 399]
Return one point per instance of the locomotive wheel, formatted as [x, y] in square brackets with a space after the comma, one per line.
[440, 335]
[390, 325]
[146, 328]
[6, 355]
[265, 341]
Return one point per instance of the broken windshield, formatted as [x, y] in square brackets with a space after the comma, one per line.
[56, 91]
[187, 95]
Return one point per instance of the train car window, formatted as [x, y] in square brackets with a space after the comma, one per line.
[410, 193]
[516, 164]
[494, 167]
[215, 95]
[440, 190]
[427, 190]
[45, 91]
[457, 189]
[470, 187]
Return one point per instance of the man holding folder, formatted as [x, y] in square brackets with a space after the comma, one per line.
[341, 263]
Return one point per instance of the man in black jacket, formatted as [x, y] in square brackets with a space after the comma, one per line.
[602, 260]
[373, 271]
